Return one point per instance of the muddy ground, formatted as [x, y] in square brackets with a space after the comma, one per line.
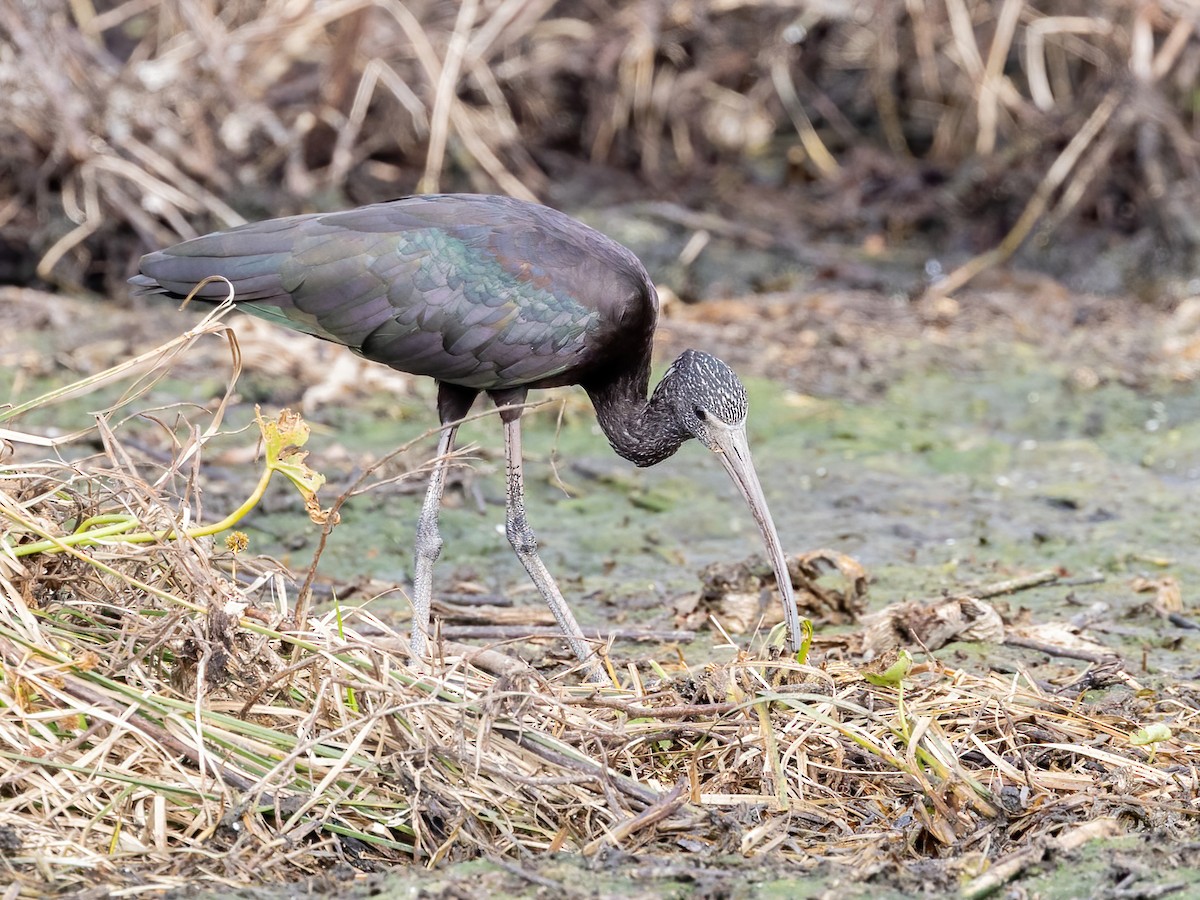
[1028, 424]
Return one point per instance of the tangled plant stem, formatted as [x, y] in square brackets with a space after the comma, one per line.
[282, 440]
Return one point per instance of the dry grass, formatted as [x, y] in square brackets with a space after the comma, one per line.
[124, 126]
[165, 722]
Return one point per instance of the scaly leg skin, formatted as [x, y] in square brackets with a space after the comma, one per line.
[524, 542]
[429, 543]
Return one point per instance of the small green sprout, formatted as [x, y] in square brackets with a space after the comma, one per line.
[1152, 736]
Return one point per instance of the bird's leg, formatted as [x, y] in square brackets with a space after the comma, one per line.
[453, 402]
[524, 542]
[429, 542]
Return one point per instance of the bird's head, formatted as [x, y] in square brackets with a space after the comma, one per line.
[708, 402]
[706, 397]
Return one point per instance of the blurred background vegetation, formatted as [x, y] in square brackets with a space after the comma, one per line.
[976, 127]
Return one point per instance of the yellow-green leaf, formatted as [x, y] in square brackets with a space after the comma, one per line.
[894, 673]
[1151, 734]
[282, 440]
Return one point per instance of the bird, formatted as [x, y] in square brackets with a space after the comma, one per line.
[487, 295]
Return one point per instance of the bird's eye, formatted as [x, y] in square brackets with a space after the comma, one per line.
[700, 413]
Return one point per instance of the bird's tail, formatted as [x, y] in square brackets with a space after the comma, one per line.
[144, 284]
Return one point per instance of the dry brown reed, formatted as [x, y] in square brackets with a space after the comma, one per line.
[152, 121]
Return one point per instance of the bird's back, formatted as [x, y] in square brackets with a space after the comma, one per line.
[487, 292]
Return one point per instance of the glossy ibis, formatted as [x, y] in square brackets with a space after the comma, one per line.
[493, 295]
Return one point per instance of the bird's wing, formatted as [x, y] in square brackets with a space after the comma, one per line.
[254, 259]
[484, 292]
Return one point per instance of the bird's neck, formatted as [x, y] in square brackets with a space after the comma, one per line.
[641, 430]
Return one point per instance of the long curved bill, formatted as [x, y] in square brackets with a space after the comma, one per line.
[730, 444]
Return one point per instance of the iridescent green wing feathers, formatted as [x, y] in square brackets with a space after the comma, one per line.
[485, 292]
